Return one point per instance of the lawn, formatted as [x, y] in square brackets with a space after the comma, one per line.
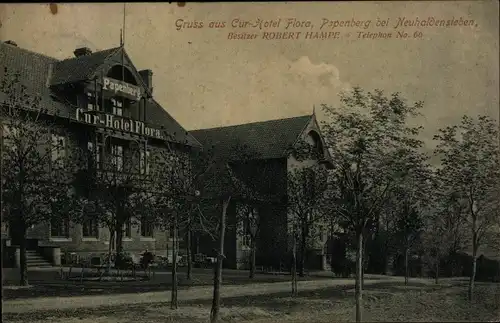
[387, 301]
[49, 283]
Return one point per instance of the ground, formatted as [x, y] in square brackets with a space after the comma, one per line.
[48, 282]
[319, 300]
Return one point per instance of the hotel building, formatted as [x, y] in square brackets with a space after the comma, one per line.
[105, 102]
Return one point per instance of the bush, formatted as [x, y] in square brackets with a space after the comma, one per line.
[123, 260]
[162, 262]
[460, 264]
[487, 269]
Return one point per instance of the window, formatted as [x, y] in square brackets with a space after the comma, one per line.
[246, 238]
[171, 231]
[250, 226]
[95, 155]
[117, 157]
[91, 102]
[146, 227]
[127, 229]
[59, 228]
[117, 107]
[321, 233]
[317, 145]
[309, 183]
[90, 229]
[310, 177]
[58, 150]
[144, 162]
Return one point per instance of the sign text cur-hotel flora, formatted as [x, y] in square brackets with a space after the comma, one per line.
[117, 123]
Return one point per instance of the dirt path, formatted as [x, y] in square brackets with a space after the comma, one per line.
[194, 293]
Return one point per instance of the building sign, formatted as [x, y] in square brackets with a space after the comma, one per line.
[117, 123]
[119, 87]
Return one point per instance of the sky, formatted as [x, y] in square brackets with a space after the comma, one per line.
[203, 79]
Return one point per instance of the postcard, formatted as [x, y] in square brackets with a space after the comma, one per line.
[250, 161]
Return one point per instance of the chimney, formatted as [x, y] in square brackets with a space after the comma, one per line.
[11, 42]
[147, 77]
[83, 51]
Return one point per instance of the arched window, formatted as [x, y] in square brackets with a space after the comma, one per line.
[123, 74]
[315, 140]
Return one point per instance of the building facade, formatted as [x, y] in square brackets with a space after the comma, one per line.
[106, 106]
[268, 146]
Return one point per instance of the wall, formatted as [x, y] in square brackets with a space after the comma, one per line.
[230, 241]
[159, 244]
[136, 244]
[269, 178]
[273, 245]
[316, 252]
[207, 245]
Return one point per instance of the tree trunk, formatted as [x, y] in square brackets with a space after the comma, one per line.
[406, 265]
[189, 273]
[197, 244]
[387, 267]
[302, 253]
[214, 313]
[119, 259]
[475, 246]
[110, 249]
[253, 251]
[359, 274]
[330, 252]
[470, 293]
[23, 259]
[294, 267]
[387, 259]
[119, 241]
[363, 266]
[120, 215]
[173, 300]
[437, 270]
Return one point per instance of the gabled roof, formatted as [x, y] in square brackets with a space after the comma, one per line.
[264, 140]
[160, 117]
[37, 72]
[81, 68]
[223, 180]
[33, 69]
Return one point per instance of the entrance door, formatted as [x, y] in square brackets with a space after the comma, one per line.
[14, 238]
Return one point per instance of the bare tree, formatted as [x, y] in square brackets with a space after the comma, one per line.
[188, 189]
[259, 175]
[249, 218]
[37, 167]
[294, 232]
[229, 186]
[221, 184]
[470, 168]
[180, 185]
[367, 136]
[306, 190]
[176, 202]
[413, 194]
[113, 186]
[444, 226]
